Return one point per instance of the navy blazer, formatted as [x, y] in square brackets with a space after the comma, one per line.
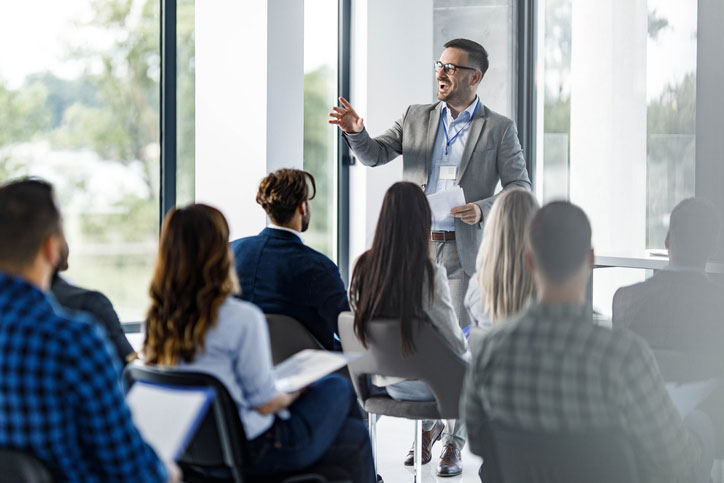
[281, 275]
[97, 305]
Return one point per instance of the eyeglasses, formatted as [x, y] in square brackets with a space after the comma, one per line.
[450, 68]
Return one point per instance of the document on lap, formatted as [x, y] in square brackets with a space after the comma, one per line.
[443, 201]
[167, 417]
[687, 397]
[308, 366]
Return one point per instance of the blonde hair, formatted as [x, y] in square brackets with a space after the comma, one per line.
[505, 283]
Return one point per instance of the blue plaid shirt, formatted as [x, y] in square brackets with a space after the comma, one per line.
[60, 393]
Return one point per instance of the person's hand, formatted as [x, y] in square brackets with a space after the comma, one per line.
[346, 118]
[470, 213]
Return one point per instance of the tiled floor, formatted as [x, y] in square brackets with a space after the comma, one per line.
[394, 439]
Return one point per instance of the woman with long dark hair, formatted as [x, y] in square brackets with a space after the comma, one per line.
[397, 278]
[196, 324]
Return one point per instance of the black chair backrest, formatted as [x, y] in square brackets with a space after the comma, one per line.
[517, 456]
[288, 336]
[22, 467]
[220, 440]
[433, 361]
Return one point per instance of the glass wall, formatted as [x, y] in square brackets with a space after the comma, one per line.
[185, 101]
[79, 107]
[320, 139]
[616, 118]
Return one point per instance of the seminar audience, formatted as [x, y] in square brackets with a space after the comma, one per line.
[61, 397]
[278, 272]
[502, 284]
[680, 308]
[397, 278]
[549, 368]
[195, 323]
[94, 303]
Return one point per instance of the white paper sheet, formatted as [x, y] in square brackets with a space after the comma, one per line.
[307, 366]
[687, 397]
[443, 201]
[167, 417]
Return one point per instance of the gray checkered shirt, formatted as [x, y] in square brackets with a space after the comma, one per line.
[549, 368]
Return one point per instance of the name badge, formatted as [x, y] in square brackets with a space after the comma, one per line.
[448, 172]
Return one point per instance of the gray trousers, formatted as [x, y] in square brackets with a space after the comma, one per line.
[455, 431]
[445, 253]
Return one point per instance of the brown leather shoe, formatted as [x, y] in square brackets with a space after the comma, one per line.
[428, 440]
[451, 464]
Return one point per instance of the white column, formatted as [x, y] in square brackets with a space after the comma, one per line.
[249, 102]
[391, 68]
[608, 120]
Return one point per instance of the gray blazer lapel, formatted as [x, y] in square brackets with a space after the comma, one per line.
[433, 123]
[476, 128]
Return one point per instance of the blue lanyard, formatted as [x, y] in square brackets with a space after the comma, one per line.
[449, 141]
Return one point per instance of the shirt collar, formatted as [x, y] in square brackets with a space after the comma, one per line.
[284, 228]
[469, 110]
[559, 311]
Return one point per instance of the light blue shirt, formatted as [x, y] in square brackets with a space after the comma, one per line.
[454, 154]
[237, 352]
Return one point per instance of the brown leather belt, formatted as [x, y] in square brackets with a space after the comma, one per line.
[442, 235]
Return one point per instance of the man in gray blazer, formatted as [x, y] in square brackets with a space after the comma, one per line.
[457, 141]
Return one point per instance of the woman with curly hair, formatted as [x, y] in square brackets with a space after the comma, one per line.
[195, 323]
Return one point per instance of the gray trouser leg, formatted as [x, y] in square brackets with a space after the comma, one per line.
[446, 254]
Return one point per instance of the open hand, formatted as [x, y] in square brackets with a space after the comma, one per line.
[470, 213]
[346, 118]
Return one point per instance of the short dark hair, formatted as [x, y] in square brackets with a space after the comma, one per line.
[282, 191]
[559, 237]
[694, 227]
[28, 216]
[477, 54]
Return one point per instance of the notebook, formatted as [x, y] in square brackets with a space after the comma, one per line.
[308, 366]
[167, 417]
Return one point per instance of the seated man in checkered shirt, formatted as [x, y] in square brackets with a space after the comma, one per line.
[550, 369]
[60, 393]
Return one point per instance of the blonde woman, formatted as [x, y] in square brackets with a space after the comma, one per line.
[501, 285]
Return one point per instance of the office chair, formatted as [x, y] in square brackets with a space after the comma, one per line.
[433, 362]
[219, 450]
[22, 467]
[288, 336]
[517, 456]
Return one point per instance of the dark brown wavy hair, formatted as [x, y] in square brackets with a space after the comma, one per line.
[388, 279]
[282, 191]
[193, 276]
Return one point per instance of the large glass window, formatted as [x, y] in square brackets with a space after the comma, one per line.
[320, 92]
[616, 119]
[79, 84]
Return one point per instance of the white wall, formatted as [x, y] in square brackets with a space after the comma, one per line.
[391, 68]
[608, 120]
[250, 106]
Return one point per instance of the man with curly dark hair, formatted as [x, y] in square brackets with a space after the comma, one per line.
[278, 272]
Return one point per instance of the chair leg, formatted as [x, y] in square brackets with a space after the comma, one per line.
[372, 423]
[418, 451]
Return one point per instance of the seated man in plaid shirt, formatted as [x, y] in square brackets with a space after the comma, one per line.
[60, 392]
[550, 369]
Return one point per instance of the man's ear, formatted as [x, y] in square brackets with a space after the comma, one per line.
[303, 207]
[666, 241]
[50, 250]
[477, 77]
[592, 258]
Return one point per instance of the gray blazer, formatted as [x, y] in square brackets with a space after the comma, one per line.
[492, 154]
